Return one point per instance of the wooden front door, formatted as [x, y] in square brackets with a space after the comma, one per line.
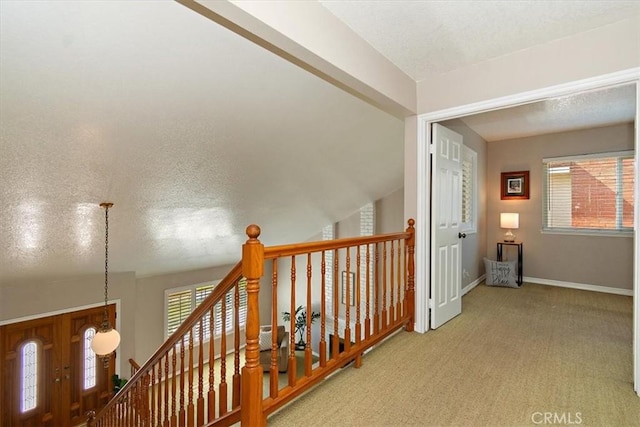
[49, 376]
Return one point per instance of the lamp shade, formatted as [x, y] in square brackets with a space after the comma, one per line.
[105, 342]
[509, 220]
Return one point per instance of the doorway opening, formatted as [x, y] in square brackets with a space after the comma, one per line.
[423, 195]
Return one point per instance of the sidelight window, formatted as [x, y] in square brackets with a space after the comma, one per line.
[29, 377]
[89, 358]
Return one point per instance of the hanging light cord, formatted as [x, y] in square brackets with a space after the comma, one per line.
[106, 263]
[105, 320]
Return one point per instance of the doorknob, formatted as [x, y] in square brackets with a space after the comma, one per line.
[462, 235]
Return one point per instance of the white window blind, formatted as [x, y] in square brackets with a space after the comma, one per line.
[178, 309]
[182, 301]
[328, 233]
[469, 190]
[201, 293]
[589, 193]
[367, 228]
[466, 191]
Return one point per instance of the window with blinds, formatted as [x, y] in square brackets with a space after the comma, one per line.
[328, 233]
[469, 190]
[589, 193]
[181, 302]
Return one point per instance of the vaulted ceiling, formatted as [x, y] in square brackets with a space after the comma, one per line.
[194, 132]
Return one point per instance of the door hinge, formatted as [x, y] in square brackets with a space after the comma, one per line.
[430, 303]
[432, 148]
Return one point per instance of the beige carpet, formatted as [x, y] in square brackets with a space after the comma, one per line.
[538, 355]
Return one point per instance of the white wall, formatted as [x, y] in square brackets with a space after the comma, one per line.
[604, 50]
[591, 260]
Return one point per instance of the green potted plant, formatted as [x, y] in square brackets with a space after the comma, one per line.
[301, 324]
[118, 383]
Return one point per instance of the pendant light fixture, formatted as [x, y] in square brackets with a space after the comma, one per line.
[107, 339]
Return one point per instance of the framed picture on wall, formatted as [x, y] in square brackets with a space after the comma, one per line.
[352, 279]
[514, 185]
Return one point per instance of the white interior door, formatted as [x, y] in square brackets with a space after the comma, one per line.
[446, 248]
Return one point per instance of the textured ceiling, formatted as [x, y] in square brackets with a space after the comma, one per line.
[424, 38]
[581, 111]
[192, 131]
[430, 37]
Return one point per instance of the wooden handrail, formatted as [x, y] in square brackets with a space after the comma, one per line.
[325, 245]
[385, 305]
[190, 322]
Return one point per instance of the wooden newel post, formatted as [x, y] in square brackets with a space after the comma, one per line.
[252, 267]
[410, 291]
[91, 419]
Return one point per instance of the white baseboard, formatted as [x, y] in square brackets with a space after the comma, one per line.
[473, 284]
[582, 286]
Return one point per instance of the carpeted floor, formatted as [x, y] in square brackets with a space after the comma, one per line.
[538, 355]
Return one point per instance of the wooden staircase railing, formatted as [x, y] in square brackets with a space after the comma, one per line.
[362, 287]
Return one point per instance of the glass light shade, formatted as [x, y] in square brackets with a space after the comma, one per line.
[509, 220]
[105, 342]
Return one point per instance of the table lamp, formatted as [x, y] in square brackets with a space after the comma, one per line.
[509, 221]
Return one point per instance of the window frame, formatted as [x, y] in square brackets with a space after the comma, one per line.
[607, 232]
[35, 375]
[471, 156]
[192, 305]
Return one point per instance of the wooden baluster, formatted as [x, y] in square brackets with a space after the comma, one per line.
[392, 286]
[273, 370]
[159, 395]
[384, 286]
[405, 272]
[222, 387]
[174, 382]
[152, 397]
[292, 346]
[376, 291]
[409, 294]
[211, 396]
[335, 343]
[120, 413]
[139, 408]
[307, 351]
[347, 303]
[358, 284]
[367, 318]
[181, 413]
[399, 284]
[252, 378]
[323, 312]
[200, 417]
[190, 381]
[357, 300]
[128, 398]
[236, 348]
[166, 390]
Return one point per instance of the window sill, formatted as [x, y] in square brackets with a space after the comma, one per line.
[597, 233]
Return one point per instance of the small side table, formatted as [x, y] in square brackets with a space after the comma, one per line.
[519, 245]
